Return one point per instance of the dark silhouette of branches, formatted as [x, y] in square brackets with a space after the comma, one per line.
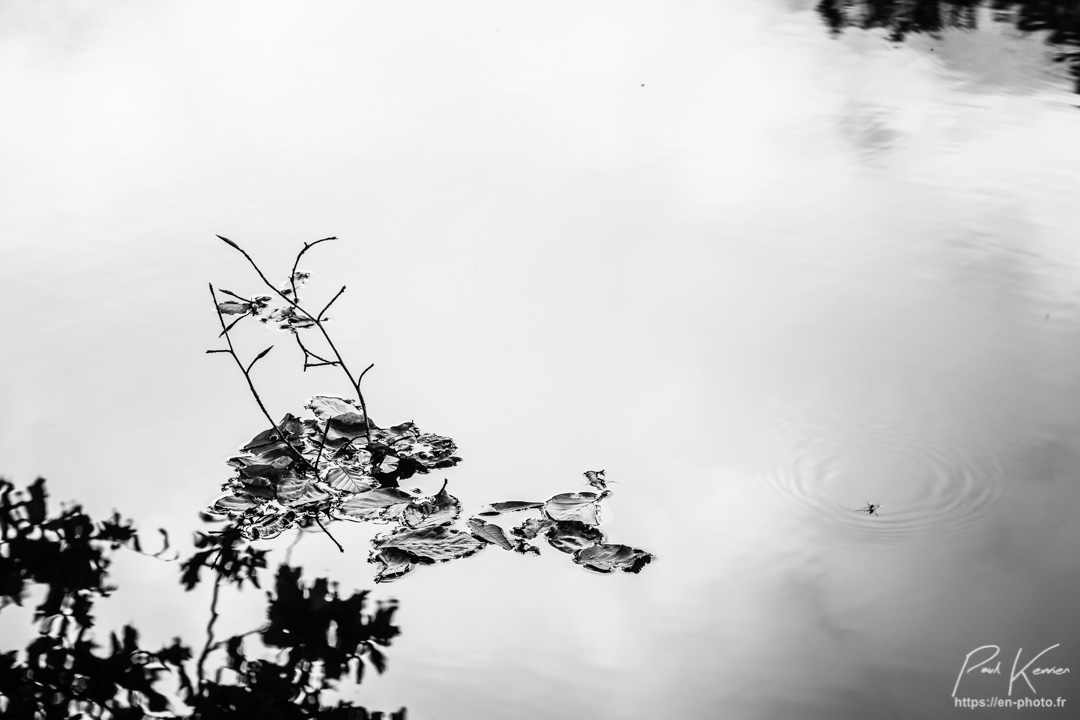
[318, 636]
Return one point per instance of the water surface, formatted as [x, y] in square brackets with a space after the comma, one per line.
[762, 273]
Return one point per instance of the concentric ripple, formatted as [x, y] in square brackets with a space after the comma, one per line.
[929, 477]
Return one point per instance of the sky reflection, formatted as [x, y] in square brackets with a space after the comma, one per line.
[640, 232]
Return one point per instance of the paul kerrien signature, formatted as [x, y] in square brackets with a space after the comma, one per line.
[996, 669]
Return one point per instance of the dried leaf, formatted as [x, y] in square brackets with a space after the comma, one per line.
[350, 478]
[583, 507]
[489, 532]
[371, 505]
[427, 450]
[606, 558]
[439, 509]
[570, 536]
[596, 479]
[231, 307]
[435, 543]
[345, 427]
[231, 505]
[327, 406]
[394, 562]
[297, 491]
[268, 526]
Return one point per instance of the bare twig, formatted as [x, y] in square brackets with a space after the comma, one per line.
[296, 263]
[233, 323]
[257, 358]
[323, 528]
[247, 376]
[308, 353]
[238, 297]
[363, 405]
[294, 303]
[327, 306]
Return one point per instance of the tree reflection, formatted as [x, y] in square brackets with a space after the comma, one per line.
[316, 636]
[1060, 19]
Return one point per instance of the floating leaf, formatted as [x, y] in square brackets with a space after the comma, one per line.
[570, 536]
[427, 450]
[231, 307]
[258, 488]
[287, 317]
[352, 478]
[300, 491]
[253, 472]
[394, 562]
[435, 543]
[583, 507]
[440, 509]
[489, 533]
[596, 479]
[265, 439]
[372, 504]
[510, 506]
[328, 406]
[231, 505]
[532, 527]
[345, 427]
[606, 558]
[269, 526]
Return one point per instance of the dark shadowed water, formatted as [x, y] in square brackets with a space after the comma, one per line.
[763, 261]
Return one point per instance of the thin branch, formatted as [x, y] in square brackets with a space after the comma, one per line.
[233, 324]
[308, 353]
[296, 263]
[247, 377]
[257, 358]
[363, 405]
[238, 297]
[318, 323]
[327, 307]
[200, 668]
[323, 528]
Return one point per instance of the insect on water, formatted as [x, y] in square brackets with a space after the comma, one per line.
[870, 509]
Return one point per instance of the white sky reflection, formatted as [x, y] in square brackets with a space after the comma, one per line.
[657, 239]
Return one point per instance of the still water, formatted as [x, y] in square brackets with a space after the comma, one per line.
[761, 271]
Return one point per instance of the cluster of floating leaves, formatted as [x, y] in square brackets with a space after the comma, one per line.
[339, 465]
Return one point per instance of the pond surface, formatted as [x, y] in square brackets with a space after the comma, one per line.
[762, 272]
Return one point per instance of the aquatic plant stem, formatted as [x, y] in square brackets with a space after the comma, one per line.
[247, 375]
[323, 528]
[316, 320]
